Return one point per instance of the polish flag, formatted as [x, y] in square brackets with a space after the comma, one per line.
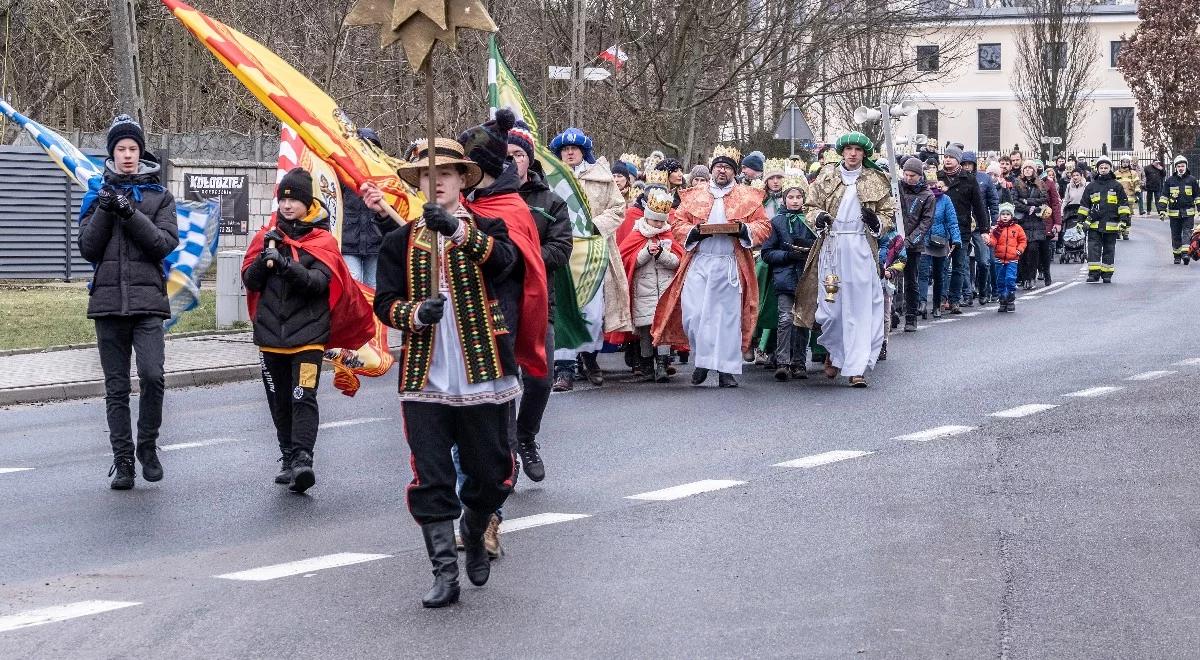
[615, 55]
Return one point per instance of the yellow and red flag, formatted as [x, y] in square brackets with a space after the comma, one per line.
[303, 106]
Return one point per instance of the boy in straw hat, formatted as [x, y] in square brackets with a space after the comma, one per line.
[459, 370]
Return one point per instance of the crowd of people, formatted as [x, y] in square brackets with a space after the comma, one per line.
[735, 261]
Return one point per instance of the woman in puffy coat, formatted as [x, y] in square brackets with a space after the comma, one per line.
[1030, 201]
[942, 239]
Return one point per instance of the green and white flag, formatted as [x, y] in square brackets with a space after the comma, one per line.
[589, 256]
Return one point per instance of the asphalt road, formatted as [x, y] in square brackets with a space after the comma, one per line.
[1067, 532]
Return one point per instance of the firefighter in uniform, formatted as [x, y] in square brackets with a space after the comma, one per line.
[1131, 180]
[1105, 212]
[1178, 203]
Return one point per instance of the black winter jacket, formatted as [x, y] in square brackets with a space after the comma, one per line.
[1179, 195]
[963, 189]
[553, 222]
[788, 230]
[919, 207]
[1105, 207]
[1028, 198]
[128, 253]
[293, 310]
[1154, 178]
[360, 235]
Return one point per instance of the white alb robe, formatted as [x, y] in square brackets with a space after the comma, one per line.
[852, 325]
[711, 300]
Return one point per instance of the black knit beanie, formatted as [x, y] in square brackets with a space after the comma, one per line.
[123, 126]
[487, 144]
[298, 185]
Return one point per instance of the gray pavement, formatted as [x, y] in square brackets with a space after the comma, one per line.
[1066, 532]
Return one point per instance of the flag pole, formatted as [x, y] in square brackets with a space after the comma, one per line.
[431, 185]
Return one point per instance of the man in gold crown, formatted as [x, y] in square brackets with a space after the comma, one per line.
[713, 300]
[849, 206]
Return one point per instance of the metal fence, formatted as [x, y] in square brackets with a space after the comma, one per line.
[38, 207]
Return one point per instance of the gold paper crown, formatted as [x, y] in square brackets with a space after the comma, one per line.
[659, 200]
[776, 165]
[758, 184]
[656, 177]
[728, 152]
[794, 179]
[632, 159]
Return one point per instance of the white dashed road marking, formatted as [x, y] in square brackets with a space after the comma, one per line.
[199, 443]
[11, 470]
[822, 459]
[537, 520]
[1065, 287]
[935, 433]
[1152, 375]
[300, 567]
[1095, 391]
[967, 315]
[352, 422]
[941, 321]
[1190, 362]
[686, 490]
[1025, 410]
[59, 613]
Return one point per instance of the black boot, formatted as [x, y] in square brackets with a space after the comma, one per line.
[592, 369]
[123, 468]
[726, 380]
[147, 455]
[661, 374]
[910, 323]
[303, 476]
[473, 525]
[439, 543]
[285, 471]
[699, 376]
[883, 351]
[531, 460]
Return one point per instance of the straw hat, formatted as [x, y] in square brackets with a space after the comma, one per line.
[449, 152]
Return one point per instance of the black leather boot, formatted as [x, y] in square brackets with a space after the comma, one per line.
[439, 543]
[726, 380]
[285, 470]
[660, 369]
[147, 455]
[473, 525]
[123, 469]
[303, 476]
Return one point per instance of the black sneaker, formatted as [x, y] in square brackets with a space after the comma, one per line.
[531, 461]
[303, 476]
[699, 376]
[147, 455]
[123, 469]
[285, 470]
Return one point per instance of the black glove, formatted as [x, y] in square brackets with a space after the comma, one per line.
[822, 221]
[123, 207]
[437, 219]
[694, 236]
[105, 199]
[431, 310]
[274, 257]
[744, 231]
[797, 257]
[870, 219]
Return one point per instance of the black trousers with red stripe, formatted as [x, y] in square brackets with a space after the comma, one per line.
[481, 432]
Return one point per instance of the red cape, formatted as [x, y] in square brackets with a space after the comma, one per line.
[535, 303]
[631, 215]
[351, 319]
[630, 246]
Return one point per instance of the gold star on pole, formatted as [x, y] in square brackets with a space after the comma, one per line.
[420, 24]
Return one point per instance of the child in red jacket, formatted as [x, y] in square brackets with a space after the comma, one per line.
[1008, 241]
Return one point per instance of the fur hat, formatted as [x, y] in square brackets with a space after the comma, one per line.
[522, 136]
[573, 137]
[123, 126]
[297, 184]
[487, 143]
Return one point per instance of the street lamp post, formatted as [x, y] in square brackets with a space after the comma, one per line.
[885, 113]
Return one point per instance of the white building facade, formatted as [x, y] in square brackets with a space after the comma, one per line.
[972, 99]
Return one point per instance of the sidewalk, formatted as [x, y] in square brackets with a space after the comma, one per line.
[76, 373]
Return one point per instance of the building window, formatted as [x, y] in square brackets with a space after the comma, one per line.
[927, 58]
[989, 130]
[1114, 52]
[927, 124]
[989, 57]
[1054, 55]
[1122, 129]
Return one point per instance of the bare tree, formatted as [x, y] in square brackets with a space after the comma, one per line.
[1054, 75]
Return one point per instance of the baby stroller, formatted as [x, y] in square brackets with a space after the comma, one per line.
[1074, 242]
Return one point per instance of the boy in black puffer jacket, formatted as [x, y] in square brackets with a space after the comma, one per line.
[125, 232]
[289, 297]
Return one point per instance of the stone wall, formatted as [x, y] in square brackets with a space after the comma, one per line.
[261, 181]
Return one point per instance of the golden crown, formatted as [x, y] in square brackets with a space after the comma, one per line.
[659, 200]
[758, 184]
[794, 179]
[728, 152]
[632, 159]
[657, 177]
[776, 165]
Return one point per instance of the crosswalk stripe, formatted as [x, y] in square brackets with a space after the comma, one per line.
[537, 520]
[935, 433]
[11, 470]
[823, 459]
[1151, 375]
[1025, 410]
[300, 567]
[1095, 391]
[685, 490]
[57, 613]
[1065, 287]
